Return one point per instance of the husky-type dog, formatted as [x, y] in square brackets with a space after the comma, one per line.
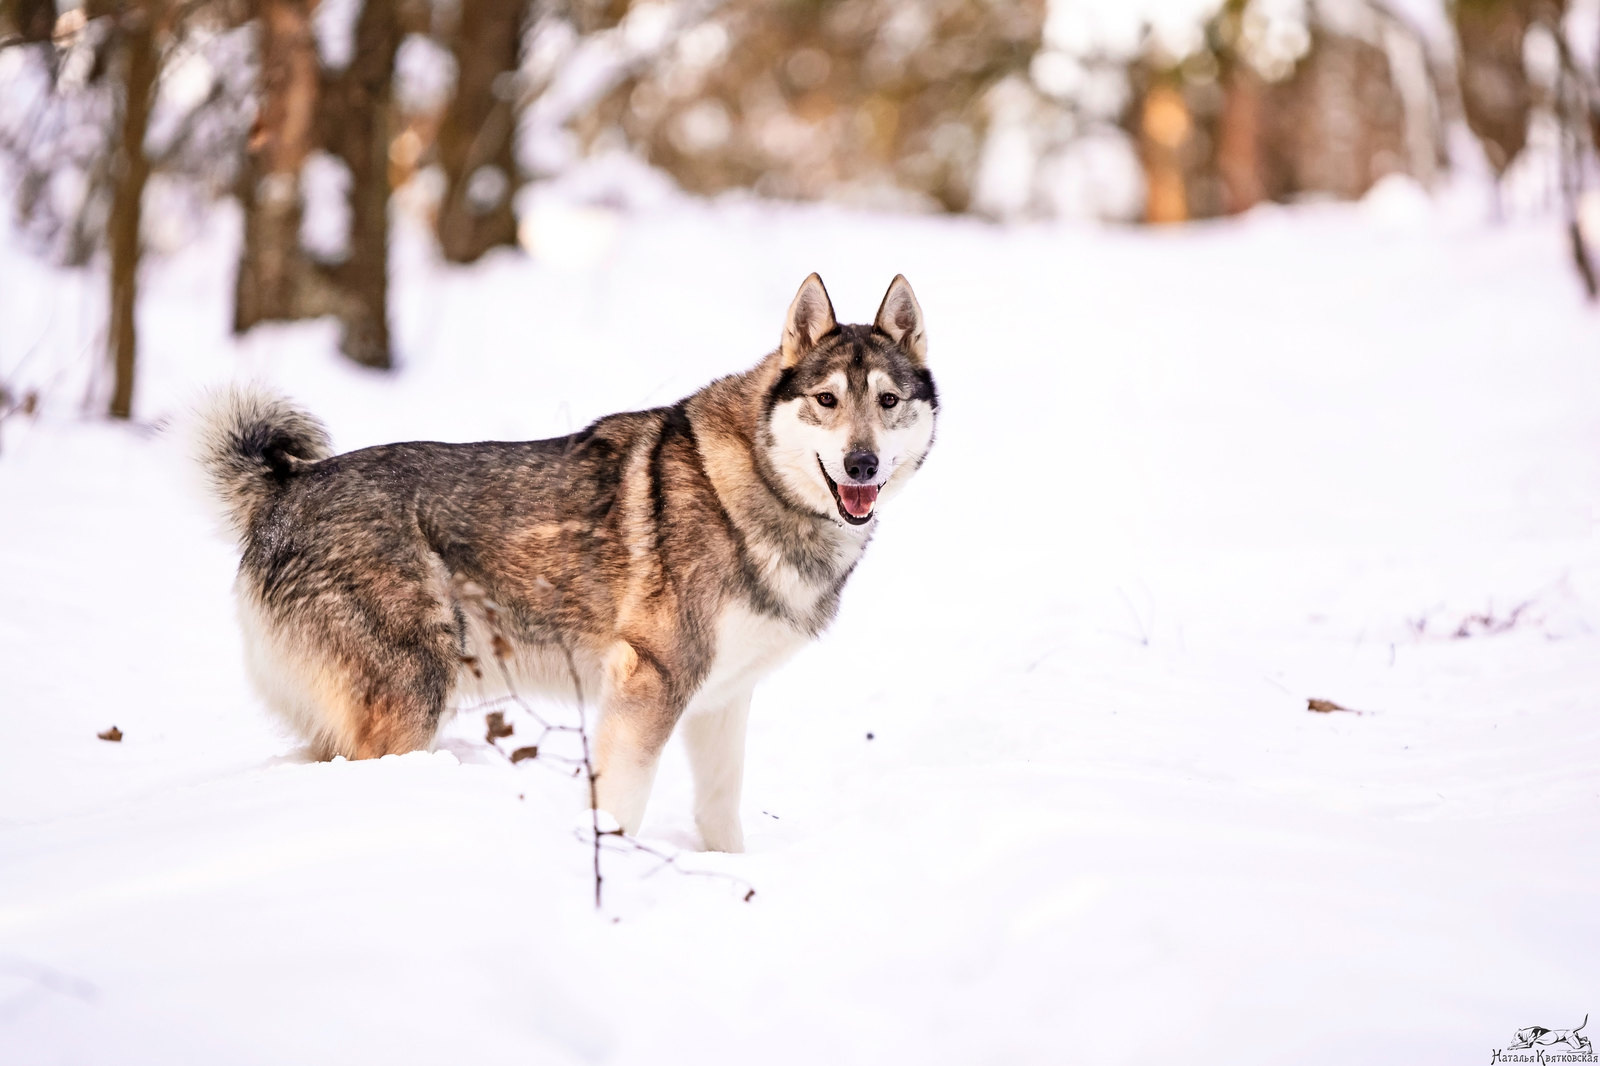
[1538, 1035]
[660, 561]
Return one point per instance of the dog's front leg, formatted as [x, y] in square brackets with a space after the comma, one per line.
[636, 719]
[625, 759]
[715, 740]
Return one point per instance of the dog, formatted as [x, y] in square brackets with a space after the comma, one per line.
[1538, 1035]
[659, 562]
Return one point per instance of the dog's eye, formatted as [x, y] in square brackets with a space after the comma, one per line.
[888, 400]
[827, 399]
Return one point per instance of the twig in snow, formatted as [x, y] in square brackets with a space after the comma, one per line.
[26, 404]
[1488, 624]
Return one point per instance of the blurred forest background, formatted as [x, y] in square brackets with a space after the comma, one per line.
[123, 122]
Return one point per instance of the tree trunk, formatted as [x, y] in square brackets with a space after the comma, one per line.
[33, 21]
[1495, 94]
[475, 141]
[274, 271]
[130, 170]
[1164, 129]
[1239, 138]
[347, 113]
[360, 127]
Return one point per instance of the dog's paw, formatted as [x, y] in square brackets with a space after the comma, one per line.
[722, 836]
[588, 821]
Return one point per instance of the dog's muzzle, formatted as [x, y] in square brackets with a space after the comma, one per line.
[855, 501]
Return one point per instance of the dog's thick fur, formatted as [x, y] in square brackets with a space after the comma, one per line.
[662, 560]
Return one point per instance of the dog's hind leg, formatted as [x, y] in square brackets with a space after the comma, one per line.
[715, 742]
[392, 723]
[370, 704]
[354, 674]
[397, 688]
[385, 704]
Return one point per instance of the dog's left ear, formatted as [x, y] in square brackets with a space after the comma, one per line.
[900, 318]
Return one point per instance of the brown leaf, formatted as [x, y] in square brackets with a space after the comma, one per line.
[525, 753]
[113, 734]
[1328, 707]
[496, 726]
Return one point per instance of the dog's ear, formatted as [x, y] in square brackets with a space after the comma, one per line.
[810, 319]
[900, 318]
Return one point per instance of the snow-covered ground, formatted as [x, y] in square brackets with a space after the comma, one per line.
[1185, 482]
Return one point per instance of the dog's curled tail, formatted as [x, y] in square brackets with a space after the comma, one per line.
[249, 441]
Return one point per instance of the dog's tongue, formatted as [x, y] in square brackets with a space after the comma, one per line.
[858, 499]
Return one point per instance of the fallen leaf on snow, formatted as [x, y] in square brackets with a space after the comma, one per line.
[111, 734]
[1328, 706]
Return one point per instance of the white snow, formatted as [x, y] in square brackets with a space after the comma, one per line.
[424, 75]
[1185, 480]
[325, 223]
[333, 23]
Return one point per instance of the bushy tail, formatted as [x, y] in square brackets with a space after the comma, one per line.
[249, 442]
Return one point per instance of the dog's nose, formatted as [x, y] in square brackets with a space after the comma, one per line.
[861, 466]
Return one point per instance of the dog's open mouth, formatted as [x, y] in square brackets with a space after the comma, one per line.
[855, 501]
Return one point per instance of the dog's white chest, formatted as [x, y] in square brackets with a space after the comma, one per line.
[748, 647]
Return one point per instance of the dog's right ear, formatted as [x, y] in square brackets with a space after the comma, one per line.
[810, 319]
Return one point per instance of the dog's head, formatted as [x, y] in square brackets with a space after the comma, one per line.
[851, 416]
[1524, 1038]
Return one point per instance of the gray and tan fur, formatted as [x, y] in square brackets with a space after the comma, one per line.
[676, 555]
